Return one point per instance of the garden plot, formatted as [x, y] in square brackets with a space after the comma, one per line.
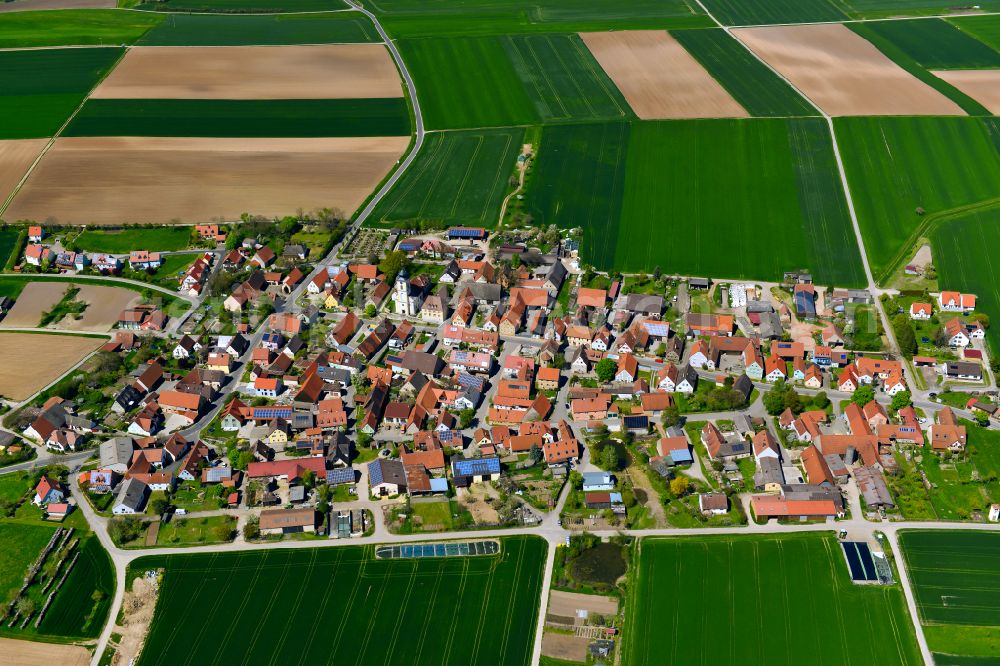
[176, 180]
[659, 78]
[331, 71]
[842, 73]
[31, 361]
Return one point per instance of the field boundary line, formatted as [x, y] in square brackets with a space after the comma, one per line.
[234, 14]
[58, 133]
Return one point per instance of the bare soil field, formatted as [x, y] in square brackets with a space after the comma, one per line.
[15, 158]
[565, 604]
[843, 73]
[331, 71]
[31, 5]
[564, 646]
[104, 304]
[27, 653]
[31, 361]
[982, 85]
[658, 77]
[174, 180]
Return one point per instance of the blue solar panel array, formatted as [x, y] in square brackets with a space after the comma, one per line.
[438, 550]
[375, 473]
[860, 561]
[465, 379]
[476, 466]
[272, 412]
[466, 232]
[336, 477]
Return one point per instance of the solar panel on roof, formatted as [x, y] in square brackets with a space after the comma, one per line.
[339, 476]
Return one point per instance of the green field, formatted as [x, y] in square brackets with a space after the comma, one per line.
[957, 590]
[73, 27]
[242, 118]
[159, 239]
[340, 605]
[8, 240]
[756, 12]
[937, 44]
[765, 12]
[759, 90]
[984, 28]
[473, 82]
[241, 6]
[898, 55]
[964, 254]
[461, 177]
[693, 189]
[235, 30]
[578, 181]
[40, 89]
[703, 600]
[75, 611]
[948, 167]
[423, 18]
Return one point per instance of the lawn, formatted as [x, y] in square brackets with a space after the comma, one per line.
[472, 82]
[40, 89]
[158, 239]
[799, 583]
[422, 18]
[235, 30]
[196, 531]
[21, 546]
[964, 258]
[712, 197]
[937, 44]
[73, 27]
[240, 6]
[954, 580]
[373, 611]
[242, 118]
[945, 167]
[434, 516]
[459, 177]
[169, 272]
[758, 89]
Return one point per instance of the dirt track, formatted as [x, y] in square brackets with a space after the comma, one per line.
[332, 71]
[104, 306]
[164, 180]
[658, 77]
[982, 85]
[27, 653]
[15, 158]
[30, 361]
[843, 73]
